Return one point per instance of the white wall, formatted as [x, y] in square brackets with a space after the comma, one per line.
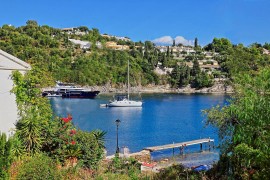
[8, 106]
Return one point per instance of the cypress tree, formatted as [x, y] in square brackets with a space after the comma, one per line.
[196, 43]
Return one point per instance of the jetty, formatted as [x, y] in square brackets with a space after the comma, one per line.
[182, 145]
[145, 154]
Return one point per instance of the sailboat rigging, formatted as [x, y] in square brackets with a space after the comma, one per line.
[123, 100]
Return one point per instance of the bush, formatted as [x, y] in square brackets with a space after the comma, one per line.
[37, 167]
[5, 155]
[177, 172]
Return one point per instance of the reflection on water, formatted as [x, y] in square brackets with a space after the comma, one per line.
[163, 119]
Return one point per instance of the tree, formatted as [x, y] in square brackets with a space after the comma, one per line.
[173, 43]
[83, 28]
[32, 23]
[195, 68]
[5, 155]
[196, 43]
[149, 45]
[168, 52]
[219, 45]
[92, 147]
[34, 111]
[244, 128]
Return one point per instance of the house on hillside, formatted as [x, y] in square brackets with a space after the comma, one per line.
[85, 44]
[116, 37]
[206, 65]
[73, 30]
[82, 44]
[115, 46]
[8, 106]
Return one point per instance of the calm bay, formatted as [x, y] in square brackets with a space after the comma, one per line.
[163, 119]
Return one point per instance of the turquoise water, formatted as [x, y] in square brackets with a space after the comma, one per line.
[163, 119]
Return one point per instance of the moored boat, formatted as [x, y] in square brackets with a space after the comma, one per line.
[123, 100]
[65, 90]
[80, 94]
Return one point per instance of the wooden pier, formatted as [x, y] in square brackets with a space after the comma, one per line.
[182, 145]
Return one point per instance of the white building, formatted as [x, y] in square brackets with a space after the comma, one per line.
[8, 106]
[83, 44]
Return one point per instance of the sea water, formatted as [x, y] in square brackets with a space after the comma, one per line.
[163, 119]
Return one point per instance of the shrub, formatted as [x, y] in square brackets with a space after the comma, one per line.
[37, 167]
[5, 155]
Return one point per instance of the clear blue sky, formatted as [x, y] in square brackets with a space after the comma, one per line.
[241, 21]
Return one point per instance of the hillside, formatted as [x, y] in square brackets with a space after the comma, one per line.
[86, 57]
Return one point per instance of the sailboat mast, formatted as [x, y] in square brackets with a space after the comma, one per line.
[128, 79]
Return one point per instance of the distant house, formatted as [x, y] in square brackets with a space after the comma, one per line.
[115, 46]
[206, 65]
[8, 106]
[73, 30]
[85, 44]
[116, 37]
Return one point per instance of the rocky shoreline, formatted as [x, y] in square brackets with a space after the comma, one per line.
[217, 88]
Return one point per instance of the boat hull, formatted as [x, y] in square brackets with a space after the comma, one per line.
[82, 94]
[125, 104]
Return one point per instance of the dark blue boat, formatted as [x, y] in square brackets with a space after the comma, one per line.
[80, 94]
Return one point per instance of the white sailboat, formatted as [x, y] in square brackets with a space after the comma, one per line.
[123, 100]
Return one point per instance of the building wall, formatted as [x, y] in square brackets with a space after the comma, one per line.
[8, 106]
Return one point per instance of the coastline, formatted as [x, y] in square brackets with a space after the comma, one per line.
[218, 88]
[215, 89]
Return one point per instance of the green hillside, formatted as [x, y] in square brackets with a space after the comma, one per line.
[50, 50]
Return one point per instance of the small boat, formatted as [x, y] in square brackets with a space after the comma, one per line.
[123, 100]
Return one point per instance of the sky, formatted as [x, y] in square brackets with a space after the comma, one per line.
[160, 21]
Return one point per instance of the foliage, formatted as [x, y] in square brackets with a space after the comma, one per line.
[92, 147]
[39, 166]
[50, 50]
[62, 144]
[219, 45]
[128, 166]
[180, 75]
[37, 131]
[177, 172]
[244, 127]
[34, 111]
[202, 80]
[5, 155]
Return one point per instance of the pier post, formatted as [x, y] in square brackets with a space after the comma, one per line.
[173, 150]
[182, 150]
[201, 146]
